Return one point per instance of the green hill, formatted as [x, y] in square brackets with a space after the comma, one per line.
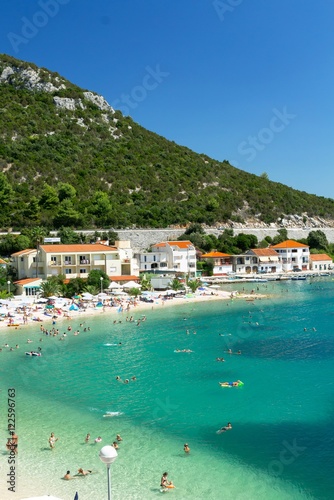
[68, 159]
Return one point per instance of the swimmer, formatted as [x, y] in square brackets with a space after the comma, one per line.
[118, 438]
[126, 381]
[239, 352]
[118, 377]
[230, 384]
[115, 445]
[82, 472]
[87, 438]
[133, 379]
[186, 448]
[98, 439]
[68, 476]
[225, 428]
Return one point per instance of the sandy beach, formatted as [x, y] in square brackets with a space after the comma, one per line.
[35, 313]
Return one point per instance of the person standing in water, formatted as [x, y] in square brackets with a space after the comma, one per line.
[52, 440]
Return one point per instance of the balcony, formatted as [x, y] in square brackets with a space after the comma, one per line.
[54, 263]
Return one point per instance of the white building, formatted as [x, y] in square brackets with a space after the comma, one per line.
[321, 262]
[169, 257]
[77, 261]
[222, 262]
[293, 255]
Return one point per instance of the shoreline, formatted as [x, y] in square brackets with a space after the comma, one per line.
[38, 316]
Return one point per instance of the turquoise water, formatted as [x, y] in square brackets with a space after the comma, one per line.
[281, 444]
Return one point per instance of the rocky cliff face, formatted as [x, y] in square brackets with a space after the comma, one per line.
[40, 80]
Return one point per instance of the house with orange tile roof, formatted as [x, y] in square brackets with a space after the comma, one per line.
[222, 262]
[293, 255]
[169, 257]
[321, 262]
[28, 287]
[76, 261]
[262, 260]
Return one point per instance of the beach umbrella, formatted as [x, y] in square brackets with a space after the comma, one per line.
[113, 284]
[214, 286]
[131, 284]
[87, 296]
[103, 295]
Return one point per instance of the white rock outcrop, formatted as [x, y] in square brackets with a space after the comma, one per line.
[68, 103]
[6, 73]
[99, 100]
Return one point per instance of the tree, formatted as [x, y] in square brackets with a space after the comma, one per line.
[94, 279]
[317, 239]
[67, 215]
[145, 282]
[246, 241]
[176, 284]
[193, 285]
[68, 236]
[75, 287]
[134, 292]
[50, 287]
[66, 191]
[49, 198]
[282, 236]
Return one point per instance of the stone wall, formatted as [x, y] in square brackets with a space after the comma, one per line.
[142, 239]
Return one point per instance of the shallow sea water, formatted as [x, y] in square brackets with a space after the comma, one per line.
[281, 444]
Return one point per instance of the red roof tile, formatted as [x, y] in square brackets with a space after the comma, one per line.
[24, 252]
[180, 244]
[214, 255]
[89, 247]
[320, 256]
[290, 244]
[124, 278]
[264, 252]
[25, 281]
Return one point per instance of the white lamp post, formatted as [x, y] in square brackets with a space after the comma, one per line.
[108, 455]
[101, 280]
[8, 284]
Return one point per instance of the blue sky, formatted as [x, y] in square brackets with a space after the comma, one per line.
[249, 81]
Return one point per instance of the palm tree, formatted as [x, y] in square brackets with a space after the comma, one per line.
[193, 285]
[50, 287]
[145, 282]
[176, 284]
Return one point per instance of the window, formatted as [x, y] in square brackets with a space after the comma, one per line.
[22, 259]
[68, 271]
[33, 259]
[68, 260]
[83, 271]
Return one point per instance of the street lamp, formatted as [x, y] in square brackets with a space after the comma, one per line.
[8, 284]
[101, 280]
[108, 455]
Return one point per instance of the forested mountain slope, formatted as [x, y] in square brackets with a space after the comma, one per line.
[68, 159]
